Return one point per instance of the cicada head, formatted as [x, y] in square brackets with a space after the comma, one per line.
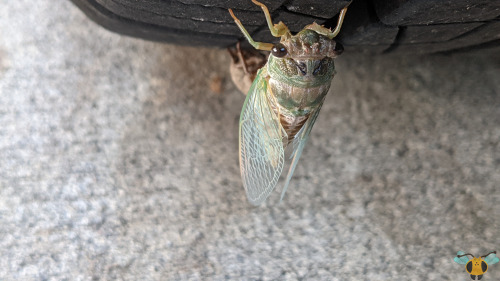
[309, 44]
[306, 57]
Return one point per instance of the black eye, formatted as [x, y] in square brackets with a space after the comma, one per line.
[279, 50]
[339, 49]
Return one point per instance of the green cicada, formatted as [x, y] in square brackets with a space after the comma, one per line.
[284, 101]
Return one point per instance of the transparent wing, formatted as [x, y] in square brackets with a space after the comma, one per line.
[261, 145]
[298, 145]
[461, 260]
[491, 259]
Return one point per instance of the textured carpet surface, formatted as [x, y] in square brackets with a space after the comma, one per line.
[117, 162]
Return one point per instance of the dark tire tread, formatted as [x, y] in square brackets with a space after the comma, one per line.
[372, 26]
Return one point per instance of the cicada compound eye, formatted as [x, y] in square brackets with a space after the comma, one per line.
[339, 49]
[279, 50]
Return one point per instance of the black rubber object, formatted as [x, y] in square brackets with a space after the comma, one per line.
[376, 26]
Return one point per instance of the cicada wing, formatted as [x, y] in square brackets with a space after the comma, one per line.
[491, 259]
[462, 259]
[298, 145]
[261, 145]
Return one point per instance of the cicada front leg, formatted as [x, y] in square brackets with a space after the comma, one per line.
[257, 45]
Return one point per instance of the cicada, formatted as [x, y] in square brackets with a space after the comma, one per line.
[283, 101]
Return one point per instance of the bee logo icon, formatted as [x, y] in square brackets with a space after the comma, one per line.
[476, 266]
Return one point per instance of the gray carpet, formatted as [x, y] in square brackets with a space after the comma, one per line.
[117, 162]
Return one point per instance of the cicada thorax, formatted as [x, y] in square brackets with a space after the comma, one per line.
[299, 81]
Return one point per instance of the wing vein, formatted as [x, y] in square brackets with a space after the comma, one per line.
[261, 148]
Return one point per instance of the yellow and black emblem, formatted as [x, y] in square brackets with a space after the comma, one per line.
[476, 266]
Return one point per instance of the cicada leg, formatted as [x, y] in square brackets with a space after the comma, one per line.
[257, 45]
[277, 30]
[339, 23]
[327, 32]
